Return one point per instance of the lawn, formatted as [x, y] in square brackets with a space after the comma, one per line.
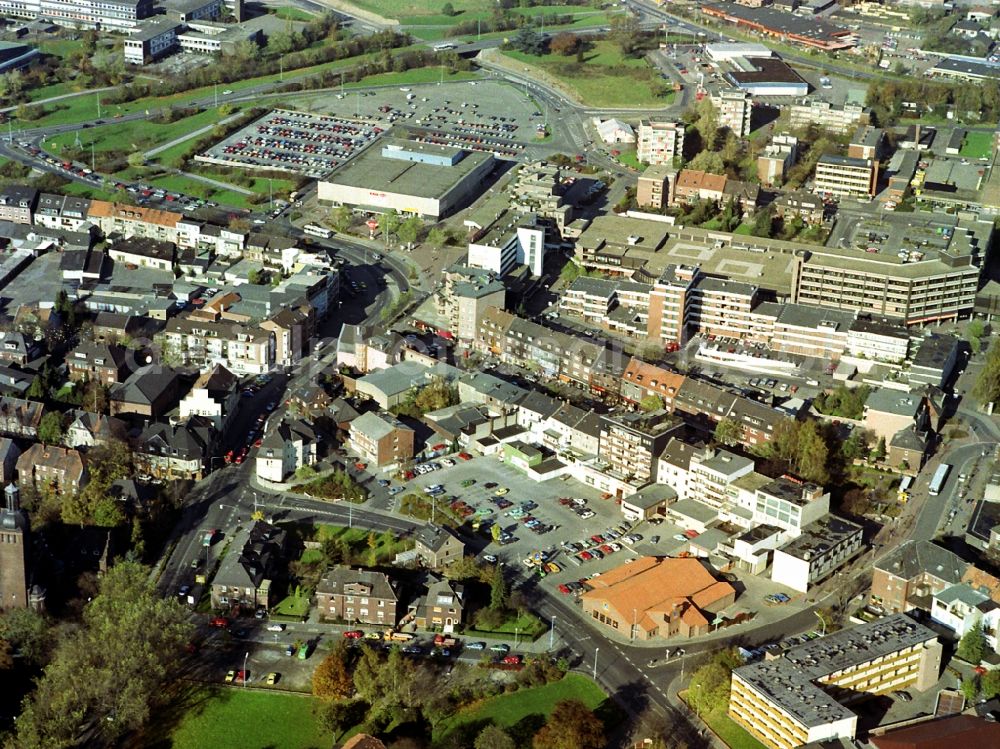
[133, 136]
[525, 626]
[416, 75]
[508, 710]
[630, 159]
[86, 191]
[387, 544]
[734, 736]
[288, 13]
[199, 189]
[604, 78]
[408, 9]
[745, 229]
[230, 718]
[56, 89]
[297, 606]
[977, 145]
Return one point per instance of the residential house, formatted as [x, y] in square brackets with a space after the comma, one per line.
[17, 348]
[292, 329]
[440, 607]
[98, 362]
[381, 439]
[438, 546]
[176, 451]
[9, 453]
[357, 596]
[243, 349]
[20, 418]
[286, 448]
[215, 395]
[910, 576]
[888, 411]
[49, 467]
[17, 204]
[87, 429]
[641, 380]
[142, 252]
[149, 391]
[246, 574]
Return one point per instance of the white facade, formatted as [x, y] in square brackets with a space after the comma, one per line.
[870, 344]
[660, 142]
[814, 555]
[523, 246]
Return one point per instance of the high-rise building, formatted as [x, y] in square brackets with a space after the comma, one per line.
[845, 176]
[735, 108]
[655, 185]
[659, 142]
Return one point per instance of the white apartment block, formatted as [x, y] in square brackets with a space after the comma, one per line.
[711, 473]
[735, 108]
[845, 176]
[816, 553]
[660, 142]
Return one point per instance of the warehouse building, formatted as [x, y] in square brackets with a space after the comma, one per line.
[803, 695]
[421, 179]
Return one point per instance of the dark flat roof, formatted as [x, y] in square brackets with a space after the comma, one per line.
[768, 70]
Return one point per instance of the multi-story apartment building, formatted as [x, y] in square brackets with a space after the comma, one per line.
[720, 307]
[912, 574]
[655, 186]
[735, 109]
[803, 695]
[110, 15]
[941, 286]
[134, 221]
[789, 504]
[358, 596]
[464, 297]
[17, 204]
[631, 442]
[819, 549]
[381, 439]
[877, 338]
[61, 211]
[833, 117]
[504, 245]
[845, 176]
[777, 158]
[670, 304]
[242, 349]
[710, 474]
[640, 380]
[659, 143]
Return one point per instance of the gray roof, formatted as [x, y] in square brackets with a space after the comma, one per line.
[434, 537]
[934, 351]
[913, 558]
[790, 681]
[651, 495]
[377, 425]
[807, 316]
[336, 578]
[885, 400]
[692, 508]
[820, 536]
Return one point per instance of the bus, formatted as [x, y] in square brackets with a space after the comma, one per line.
[317, 231]
[443, 46]
[940, 476]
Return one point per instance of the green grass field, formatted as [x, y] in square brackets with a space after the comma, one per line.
[977, 145]
[604, 79]
[408, 9]
[297, 606]
[288, 13]
[734, 736]
[237, 718]
[509, 710]
[630, 159]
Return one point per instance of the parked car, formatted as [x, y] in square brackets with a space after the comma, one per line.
[476, 646]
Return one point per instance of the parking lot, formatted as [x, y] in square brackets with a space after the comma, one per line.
[296, 142]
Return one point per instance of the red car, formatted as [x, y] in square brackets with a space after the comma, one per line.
[597, 538]
[465, 456]
[360, 466]
[586, 556]
[354, 634]
[607, 549]
[564, 588]
[512, 660]
[220, 621]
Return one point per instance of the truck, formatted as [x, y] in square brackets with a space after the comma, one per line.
[397, 636]
[940, 476]
[442, 641]
[206, 539]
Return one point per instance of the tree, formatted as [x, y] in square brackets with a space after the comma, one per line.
[763, 222]
[498, 590]
[50, 429]
[651, 403]
[564, 44]
[529, 41]
[107, 676]
[437, 237]
[448, 10]
[332, 678]
[974, 335]
[256, 277]
[970, 689]
[626, 33]
[571, 725]
[338, 716]
[341, 218]
[879, 454]
[728, 432]
[409, 230]
[709, 690]
[987, 387]
[388, 223]
[494, 737]
[707, 161]
[281, 42]
[28, 633]
[989, 684]
[972, 646]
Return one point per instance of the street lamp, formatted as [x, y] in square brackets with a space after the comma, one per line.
[246, 657]
[516, 631]
[552, 631]
[821, 621]
[596, 651]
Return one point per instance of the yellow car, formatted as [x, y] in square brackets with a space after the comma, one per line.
[553, 567]
[230, 677]
[501, 491]
[272, 678]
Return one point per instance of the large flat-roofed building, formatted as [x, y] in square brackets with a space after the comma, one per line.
[821, 548]
[845, 176]
[803, 695]
[660, 142]
[809, 32]
[415, 178]
[151, 42]
[658, 597]
[767, 77]
[110, 15]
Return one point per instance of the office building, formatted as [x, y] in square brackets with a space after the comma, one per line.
[844, 176]
[107, 15]
[151, 42]
[804, 695]
[833, 117]
[821, 548]
[660, 143]
[508, 242]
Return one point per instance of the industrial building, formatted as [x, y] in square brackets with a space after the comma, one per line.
[766, 77]
[802, 696]
[421, 179]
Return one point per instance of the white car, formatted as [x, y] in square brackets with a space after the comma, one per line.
[448, 462]
[587, 515]
[680, 537]
[276, 627]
